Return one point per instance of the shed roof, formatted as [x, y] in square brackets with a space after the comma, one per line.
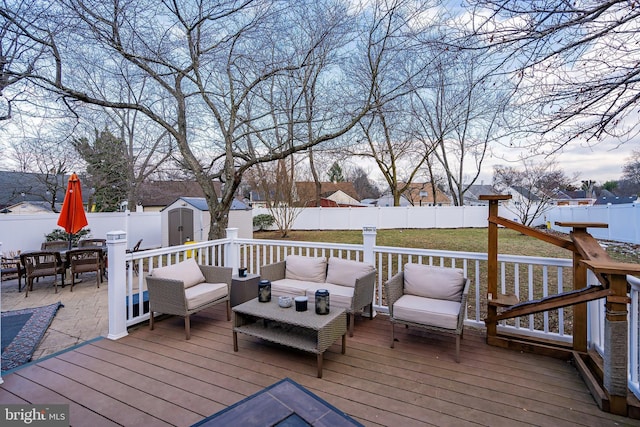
[200, 203]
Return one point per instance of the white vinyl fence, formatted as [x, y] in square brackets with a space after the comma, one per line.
[27, 232]
[623, 220]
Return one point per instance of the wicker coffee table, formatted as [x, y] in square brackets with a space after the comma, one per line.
[304, 330]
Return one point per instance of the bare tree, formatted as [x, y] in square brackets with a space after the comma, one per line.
[19, 52]
[276, 183]
[39, 153]
[384, 135]
[631, 168]
[365, 188]
[206, 68]
[458, 114]
[576, 63]
[533, 188]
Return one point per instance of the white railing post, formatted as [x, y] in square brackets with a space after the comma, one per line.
[117, 250]
[232, 250]
[368, 242]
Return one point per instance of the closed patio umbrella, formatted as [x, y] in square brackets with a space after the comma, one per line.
[72, 216]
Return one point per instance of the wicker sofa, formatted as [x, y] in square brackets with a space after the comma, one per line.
[350, 283]
[428, 297]
[185, 288]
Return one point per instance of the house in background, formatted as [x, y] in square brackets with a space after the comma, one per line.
[154, 196]
[473, 193]
[616, 200]
[29, 193]
[31, 207]
[421, 194]
[387, 200]
[332, 193]
[571, 198]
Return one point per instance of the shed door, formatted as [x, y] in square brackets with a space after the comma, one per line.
[180, 226]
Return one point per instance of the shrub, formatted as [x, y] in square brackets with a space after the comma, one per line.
[263, 221]
[59, 234]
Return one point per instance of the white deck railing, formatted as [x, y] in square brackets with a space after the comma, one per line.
[527, 277]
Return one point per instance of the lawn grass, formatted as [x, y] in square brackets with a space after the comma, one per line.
[455, 239]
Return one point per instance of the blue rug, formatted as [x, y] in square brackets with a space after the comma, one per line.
[283, 404]
[22, 331]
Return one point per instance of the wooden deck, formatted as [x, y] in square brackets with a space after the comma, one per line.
[154, 378]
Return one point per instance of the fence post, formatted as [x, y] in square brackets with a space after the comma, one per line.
[368, 242]
[232, 250]
[117, 249]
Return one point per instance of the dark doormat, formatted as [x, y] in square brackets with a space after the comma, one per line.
[283, 404]
[22, 331]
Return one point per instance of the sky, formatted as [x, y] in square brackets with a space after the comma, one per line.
[600, 163]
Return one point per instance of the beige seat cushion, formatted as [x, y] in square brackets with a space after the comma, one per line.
[288, 287]
[204, 293]
[339, 296]
[345, 272]
[187, 271]
[434, 282]
[306, 268]
[427, 311]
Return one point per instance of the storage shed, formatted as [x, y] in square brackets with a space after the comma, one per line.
[187, 219]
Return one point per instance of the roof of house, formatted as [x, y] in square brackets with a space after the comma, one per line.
[475, 191]
[163, 193]
[615, 200]
[525, 192]
[16, 187]
[306, 190]
[33, 206]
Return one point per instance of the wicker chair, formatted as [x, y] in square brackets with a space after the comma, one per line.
[186, 288]
[97, 243]
[427, 297]
[55, 245]
[12, 268]
[41, 264]
[84, 261]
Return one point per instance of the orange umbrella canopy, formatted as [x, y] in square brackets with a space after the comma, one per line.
[72, 216]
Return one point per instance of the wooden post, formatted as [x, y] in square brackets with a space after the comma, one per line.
[616, 350]
[586, 247]
[492, 261]
[615, 331]
[579, 310]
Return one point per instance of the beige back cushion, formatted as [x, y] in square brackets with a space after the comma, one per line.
[344, 272]
[187, 271]
[434, 282]
[309, 269]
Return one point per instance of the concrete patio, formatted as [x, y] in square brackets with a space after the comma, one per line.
[83, 317]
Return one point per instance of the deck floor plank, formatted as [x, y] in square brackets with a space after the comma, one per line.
[157, 377]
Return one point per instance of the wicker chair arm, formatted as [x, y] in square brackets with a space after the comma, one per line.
[166, 296]
[215, 274]
[273, 271]
[394, 289]
[363, 290]
[463, 305]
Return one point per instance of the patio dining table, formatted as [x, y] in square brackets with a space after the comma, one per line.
[62, 253]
